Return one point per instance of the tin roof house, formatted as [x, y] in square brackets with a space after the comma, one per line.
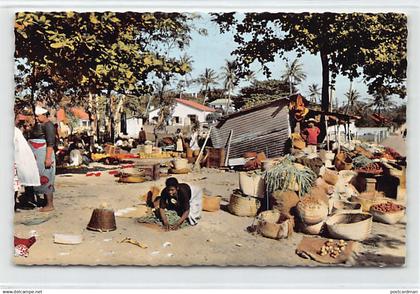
[264, 128]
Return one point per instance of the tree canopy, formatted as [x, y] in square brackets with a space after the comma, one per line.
[358, 44]
[260, 92]
[80, 53]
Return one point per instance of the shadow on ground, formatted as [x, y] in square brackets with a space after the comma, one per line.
[381, 240]
[378, 260]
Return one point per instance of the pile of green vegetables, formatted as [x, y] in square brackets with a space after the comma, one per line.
[361, 161]
[286, 174]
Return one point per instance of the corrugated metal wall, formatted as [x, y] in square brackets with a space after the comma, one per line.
[264, 129]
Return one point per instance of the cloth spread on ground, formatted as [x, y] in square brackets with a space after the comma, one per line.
[171, 215]
[309, 247]
[25, 163]
[22, 245]
[311, 135]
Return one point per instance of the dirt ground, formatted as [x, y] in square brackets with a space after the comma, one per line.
[220, 238]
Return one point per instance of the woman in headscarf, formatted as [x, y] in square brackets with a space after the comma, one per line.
[42, 143]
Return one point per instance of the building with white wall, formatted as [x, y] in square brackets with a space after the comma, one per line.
[184, 113]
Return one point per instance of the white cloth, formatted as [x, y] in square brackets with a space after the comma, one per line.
[75, 157]
[39, 110]
[179, 147]
[26, 167]
[194, 141]
[196, 204]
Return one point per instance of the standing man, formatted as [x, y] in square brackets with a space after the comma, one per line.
[310, 134]
[142, 137]
[182, 198]
[42, 143]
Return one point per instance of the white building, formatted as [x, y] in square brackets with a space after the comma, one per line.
[371, 134]
[134, 125]
[222, 104]
[184, 113]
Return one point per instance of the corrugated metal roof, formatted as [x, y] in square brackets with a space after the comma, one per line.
[264, 128]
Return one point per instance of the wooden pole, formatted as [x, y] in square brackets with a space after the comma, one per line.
[197, 162]
[326, 130]
[228, 148]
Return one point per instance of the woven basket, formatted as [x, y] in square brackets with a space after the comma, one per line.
[389, 218]
[312, 229]
[131, 179]
[243, 205]
[102, 220]
[350, 226]
[211, 203]
[312, 213]
[343, 162]
[275, 225]
[179, 171]
[367, 199]
[180, 163]
[330, 177]
[148, 149]
[340, 206]
[252, 185]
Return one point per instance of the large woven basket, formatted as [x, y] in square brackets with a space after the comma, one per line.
[350, 226]
[312, 214]
[242, 205]
[102, 220]
[211, 203]
[273, 224]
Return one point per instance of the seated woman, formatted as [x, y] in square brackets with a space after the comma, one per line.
[179, 205]
[182, 198]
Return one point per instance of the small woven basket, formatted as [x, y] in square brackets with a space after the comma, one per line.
[241, 205]
[102, 220]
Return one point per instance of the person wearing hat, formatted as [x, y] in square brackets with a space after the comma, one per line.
[42, 141]
[310, 135]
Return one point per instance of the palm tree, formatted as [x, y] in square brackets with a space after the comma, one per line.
[314, 92]
[352, 98]
[293, 73]
[230, 80]
[186, 80]
[381, 100]
[207, 79]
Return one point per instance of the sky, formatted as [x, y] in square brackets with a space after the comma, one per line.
[214, 49]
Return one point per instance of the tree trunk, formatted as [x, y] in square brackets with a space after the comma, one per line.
[97, 117]
[228, 103]
[325, 99]
[33, 83]
[290, 86]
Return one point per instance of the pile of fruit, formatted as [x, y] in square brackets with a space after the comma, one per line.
[332, 248]
[387, 207]
[371, 168]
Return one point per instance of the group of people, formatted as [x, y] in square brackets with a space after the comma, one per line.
[35, 159]
[35, 166]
